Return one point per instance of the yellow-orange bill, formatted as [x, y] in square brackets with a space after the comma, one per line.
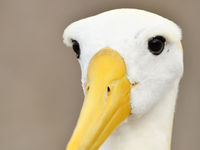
[106, 102]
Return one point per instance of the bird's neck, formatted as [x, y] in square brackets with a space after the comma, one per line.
[152, 131]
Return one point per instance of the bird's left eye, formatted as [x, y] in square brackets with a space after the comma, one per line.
[76, 48]
[156, 45]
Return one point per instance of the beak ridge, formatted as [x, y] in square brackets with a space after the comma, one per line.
[106, 102]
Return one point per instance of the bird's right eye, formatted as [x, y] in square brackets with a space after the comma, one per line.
[76, 48]
[156, 45]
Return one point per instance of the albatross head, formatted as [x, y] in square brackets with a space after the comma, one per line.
[130, 59]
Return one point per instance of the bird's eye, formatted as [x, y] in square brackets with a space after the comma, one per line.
[76, 48]
[156, 45]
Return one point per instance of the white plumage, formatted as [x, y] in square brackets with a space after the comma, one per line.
[153, 99]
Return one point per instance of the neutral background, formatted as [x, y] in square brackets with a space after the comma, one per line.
[40, 88]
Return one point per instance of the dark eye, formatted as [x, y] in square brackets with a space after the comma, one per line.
[76, 48]
[156, 45]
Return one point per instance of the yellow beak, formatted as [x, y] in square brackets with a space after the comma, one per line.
[106, 102]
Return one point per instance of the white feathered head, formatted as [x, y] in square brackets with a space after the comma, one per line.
[148, 44]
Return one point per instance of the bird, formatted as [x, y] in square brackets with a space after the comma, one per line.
[131, 64]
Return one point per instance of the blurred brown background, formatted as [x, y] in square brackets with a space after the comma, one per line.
[40, 88]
